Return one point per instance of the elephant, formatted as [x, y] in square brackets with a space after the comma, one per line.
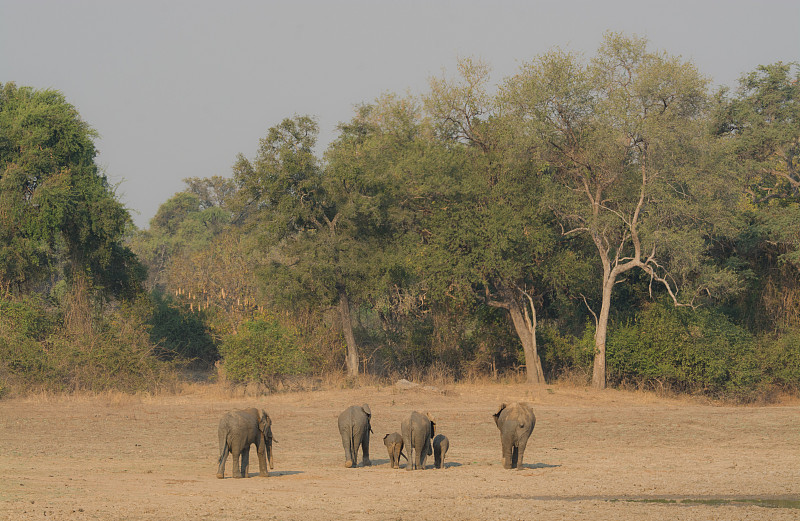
[238, 429]
[394, 444]
[354, 426]
[418, 430]
[516, 422]
[440, 446]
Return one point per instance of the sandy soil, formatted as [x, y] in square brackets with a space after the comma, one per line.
[593, 455]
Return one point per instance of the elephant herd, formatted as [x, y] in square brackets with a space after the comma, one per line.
[239, 429]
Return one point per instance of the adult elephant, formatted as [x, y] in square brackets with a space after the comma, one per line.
[354, 427]
[516, 422]
[418, 431]
[239, 429]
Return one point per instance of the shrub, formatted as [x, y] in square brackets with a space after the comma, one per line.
[696, 351]
[261, 350]
[780, 358]
[564, 354]
[179, 333]
[36, 353]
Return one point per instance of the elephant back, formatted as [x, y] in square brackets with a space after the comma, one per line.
[518, 413]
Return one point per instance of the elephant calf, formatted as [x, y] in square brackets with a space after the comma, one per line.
[440, 446]
[354, 426]
[516, 422]
[238, 430]
[394, 445]
[418, 430]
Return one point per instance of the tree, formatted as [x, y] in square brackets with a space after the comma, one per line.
[632, 167]
[489, 237]
[311, 221]
[56, 208]
[760, 125]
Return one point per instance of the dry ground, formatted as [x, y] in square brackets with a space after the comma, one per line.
[594, 455]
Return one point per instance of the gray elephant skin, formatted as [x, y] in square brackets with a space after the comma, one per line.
[440, 447]
[418, 431]
[239, 429]
[394, 445]
[354, 426]
[516, 422]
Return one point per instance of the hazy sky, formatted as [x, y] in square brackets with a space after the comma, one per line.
[177, 88]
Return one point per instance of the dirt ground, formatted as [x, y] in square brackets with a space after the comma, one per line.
[593, 455]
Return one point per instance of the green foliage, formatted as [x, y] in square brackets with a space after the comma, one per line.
[55, 206]
[37, 354]
[261, 350]
[562, 353]
[179, 333]
[779, 358]
[696, 351]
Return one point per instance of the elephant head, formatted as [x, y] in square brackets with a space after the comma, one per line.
[265, 429]
[368, 412]
[433, 430]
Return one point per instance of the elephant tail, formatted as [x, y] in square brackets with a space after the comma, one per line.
[353, 444]
[223, 453]
[401, 453]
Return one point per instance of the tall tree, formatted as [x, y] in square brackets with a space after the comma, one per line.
[56, 208]
[760, 124]
[626, 137]
[326, 224]
[489, 236]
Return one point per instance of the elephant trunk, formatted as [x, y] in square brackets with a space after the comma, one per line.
[269, 452]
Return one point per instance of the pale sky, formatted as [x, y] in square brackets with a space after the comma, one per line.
[177, 89]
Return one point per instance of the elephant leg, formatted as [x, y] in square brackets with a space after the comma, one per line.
[507, 458]
[396, 456]
[419, 457]
[262, 462]
[236, 471]
[409, 452]
[348, 455]
[245, 462]
[222, 459]
[521, 453]
[365, 449]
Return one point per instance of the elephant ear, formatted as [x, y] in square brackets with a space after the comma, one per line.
[264, 422]
[367, 410]
[386, 436]
[497, 414]
[433, 423]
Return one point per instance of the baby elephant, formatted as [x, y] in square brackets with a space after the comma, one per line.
[440, 446]
[394, 444]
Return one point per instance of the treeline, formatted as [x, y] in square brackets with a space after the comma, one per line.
[611, 220]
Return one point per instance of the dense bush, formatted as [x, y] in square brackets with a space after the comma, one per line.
[38, 354]
[685, 350]
[262, 350]
[561, 353]
[179, 333]
[779, 356]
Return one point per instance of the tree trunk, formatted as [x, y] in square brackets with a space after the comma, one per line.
[600, 334]
[525, 327]
[347, 329]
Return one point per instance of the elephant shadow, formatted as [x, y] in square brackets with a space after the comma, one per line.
[538, 466]
[376, 462]
[449, 464]
[277, 473]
